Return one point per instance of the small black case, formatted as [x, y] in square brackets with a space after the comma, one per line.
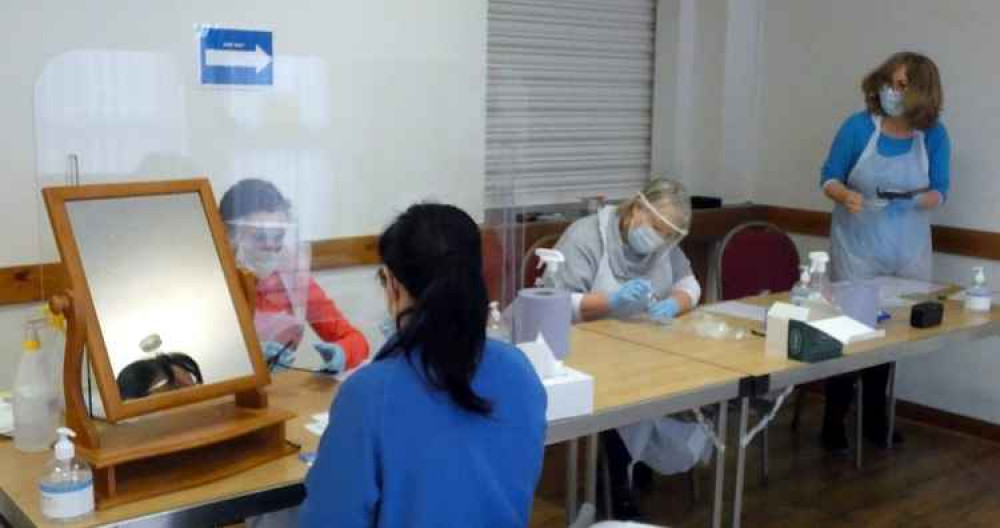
[926, 315]
[706, 202]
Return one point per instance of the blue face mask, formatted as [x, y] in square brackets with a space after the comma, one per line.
[387, 326]
[644, 240]
[891, 101]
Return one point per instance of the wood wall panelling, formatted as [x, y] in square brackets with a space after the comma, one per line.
[32, 283]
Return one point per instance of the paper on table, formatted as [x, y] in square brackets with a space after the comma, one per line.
[960, 296]
[738, 309]
[316, 428]
[894, 290]
[318, 423]
[899, 286]
[6, 418]
[847, 330]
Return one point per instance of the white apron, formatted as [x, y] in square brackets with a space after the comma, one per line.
[883, 241]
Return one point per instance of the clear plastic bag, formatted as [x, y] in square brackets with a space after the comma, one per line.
[712, 327]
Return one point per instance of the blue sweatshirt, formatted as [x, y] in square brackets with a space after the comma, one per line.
[398, 452]
[854, 134]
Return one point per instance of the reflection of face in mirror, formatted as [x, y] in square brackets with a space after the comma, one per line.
[163, 373]
[153, 267]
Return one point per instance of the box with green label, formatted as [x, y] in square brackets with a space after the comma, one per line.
[811, 345]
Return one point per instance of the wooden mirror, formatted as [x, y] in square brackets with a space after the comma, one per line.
[165, 317]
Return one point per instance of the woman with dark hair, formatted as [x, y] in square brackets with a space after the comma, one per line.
[888, 168]
[258, 220]
[445, 427]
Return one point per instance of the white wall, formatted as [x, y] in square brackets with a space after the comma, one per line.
[705, 101]
[813, 56]
[376, 104]
[756, 89]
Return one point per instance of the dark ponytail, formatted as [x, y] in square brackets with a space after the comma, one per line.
[435, 251]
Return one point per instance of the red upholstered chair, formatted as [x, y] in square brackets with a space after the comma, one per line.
[493, 263]
[753, 258]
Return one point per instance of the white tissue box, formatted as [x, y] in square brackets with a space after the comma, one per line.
[571, 393]
[777, 327]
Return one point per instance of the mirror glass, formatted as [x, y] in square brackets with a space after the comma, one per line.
[160, 294]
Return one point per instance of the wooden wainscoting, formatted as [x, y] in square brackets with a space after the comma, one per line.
[34, 282]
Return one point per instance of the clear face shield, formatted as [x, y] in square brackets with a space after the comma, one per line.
[669, 231]
[268, 245]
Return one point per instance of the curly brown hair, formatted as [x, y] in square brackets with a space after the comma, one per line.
[923, 98]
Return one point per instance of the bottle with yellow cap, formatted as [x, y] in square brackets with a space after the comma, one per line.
[52, 330]
[35, 407]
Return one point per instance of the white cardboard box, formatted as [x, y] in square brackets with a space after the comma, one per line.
[847, 330]
[571, 393]
[777, 327]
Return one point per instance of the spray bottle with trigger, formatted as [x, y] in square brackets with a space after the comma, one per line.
[551, 260]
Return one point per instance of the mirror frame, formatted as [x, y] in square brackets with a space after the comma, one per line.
[115, 408]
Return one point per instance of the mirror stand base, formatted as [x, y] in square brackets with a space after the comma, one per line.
[183, 448]
[252, 399]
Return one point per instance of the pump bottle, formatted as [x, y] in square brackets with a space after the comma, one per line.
[67, 485]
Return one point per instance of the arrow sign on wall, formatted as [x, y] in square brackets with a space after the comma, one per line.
[236, 57]
[256, 58]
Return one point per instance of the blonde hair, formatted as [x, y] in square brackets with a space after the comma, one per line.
[669, 197]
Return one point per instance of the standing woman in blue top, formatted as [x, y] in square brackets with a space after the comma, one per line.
[445, 427]
[887, 170]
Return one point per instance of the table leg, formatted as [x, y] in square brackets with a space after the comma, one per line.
[572, 479]
[590, 495]
[606, 475]
[741, 462]
[720, 467]
[892, 404]
[765, 458]
[860, 422]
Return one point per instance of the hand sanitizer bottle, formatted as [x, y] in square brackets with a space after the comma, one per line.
[800, 292]
[820, 281]
[978, 298]
[495, 329]
[67, 486]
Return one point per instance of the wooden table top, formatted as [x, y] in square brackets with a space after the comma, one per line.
[625, 374]
[299, 392]
[748, 355]
[745, 356]
[632, 363]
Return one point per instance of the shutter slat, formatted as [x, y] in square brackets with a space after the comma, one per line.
[569, 96]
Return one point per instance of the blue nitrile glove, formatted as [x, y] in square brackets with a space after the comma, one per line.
[666, 310]
[334, 359]
[278, 356]
[631, 298]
